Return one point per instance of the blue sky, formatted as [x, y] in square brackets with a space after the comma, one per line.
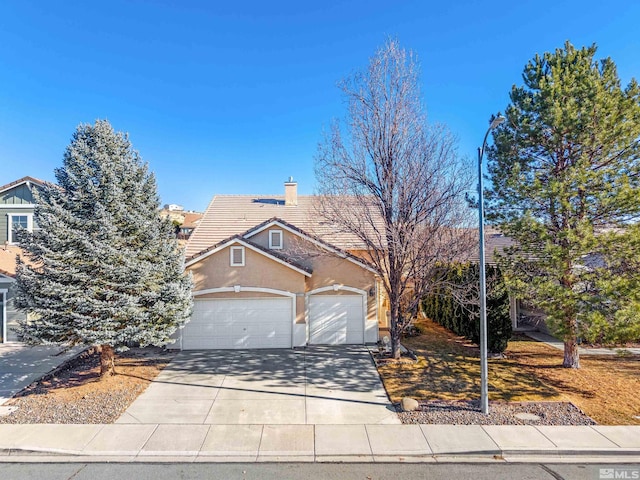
[232, 97]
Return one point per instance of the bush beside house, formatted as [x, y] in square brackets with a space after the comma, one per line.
[454, 307]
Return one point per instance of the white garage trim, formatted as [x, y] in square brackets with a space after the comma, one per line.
[242, 288]
[336, 287]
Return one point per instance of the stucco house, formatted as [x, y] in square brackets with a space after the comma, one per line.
[16, 209]
[269, 274]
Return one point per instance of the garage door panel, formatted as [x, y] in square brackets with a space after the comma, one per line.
[239, 323]
[336, 319]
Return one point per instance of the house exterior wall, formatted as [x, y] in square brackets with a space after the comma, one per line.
[293, 246]
[18, 201]
[262, 272]
[8, 312]
[18, 195]
[259, 271]
[328, 268]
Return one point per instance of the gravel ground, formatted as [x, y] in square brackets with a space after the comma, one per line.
[500, 413]
[76, 394]
[90, 408]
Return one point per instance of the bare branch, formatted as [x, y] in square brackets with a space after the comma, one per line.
[395, 182]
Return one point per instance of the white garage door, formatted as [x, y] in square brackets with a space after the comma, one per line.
[336, 319]
[239, 323]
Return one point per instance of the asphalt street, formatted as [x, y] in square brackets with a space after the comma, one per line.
[317, 471]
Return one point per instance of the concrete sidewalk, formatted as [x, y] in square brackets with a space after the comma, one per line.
[319, 443]
[559, 345]
[21, 365]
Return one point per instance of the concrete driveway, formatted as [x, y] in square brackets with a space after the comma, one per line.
[20, 365]
[316, 385]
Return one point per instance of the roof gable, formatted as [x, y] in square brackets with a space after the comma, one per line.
[308, 237]
[21, 181]
[237, 240]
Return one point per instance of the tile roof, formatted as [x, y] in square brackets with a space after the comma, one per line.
[493, 242]
[237, 215]
[191, 220]
[8, 259]
[229, 215]
[245, 237]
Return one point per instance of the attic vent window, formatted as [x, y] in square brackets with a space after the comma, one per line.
[275, 239]
[237, 256]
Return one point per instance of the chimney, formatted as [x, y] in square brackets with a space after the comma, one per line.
[290, 192]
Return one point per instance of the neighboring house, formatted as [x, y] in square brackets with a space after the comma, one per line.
[189, 223]
[269, 274]
[172, 207]
[16, 209]
[525, 316]
[496, 242]
[9, 316]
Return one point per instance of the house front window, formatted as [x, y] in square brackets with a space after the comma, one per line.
[19, 221]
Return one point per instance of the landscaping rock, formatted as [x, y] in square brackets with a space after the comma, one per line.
[409, 404]
[500, 413]
[531, 417]
[75, 394]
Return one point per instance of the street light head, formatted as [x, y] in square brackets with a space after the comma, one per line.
[497, 121]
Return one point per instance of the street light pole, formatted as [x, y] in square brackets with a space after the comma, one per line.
[484, 381]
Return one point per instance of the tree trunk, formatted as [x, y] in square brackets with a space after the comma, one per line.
[571, 356]
[107, 360]
[395, 343]
[394, 330]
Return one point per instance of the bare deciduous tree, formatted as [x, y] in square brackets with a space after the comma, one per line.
[395, 182]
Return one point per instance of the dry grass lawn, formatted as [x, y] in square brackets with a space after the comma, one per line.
[448, 368]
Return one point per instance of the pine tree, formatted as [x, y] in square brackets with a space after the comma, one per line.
[566, 186]
[104, 269]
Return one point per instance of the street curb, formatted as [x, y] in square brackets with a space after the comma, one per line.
[508, 456]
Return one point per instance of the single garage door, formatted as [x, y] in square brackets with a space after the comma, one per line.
[336, 319]
[239, 323]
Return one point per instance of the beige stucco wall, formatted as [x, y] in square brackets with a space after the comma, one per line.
[259, 271]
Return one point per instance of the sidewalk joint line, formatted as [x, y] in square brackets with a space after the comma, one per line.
[146, 441]
[603, 435]
[366, 431]
[260, 443]
[425, 439]
[552, 442]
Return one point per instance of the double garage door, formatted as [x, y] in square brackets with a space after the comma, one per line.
[267, 322]
[239, 323]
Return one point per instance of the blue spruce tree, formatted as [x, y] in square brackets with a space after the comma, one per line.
[103, 268]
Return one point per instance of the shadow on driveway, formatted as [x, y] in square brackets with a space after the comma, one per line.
[325, 385]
